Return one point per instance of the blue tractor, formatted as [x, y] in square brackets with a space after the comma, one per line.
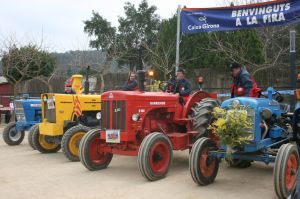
[274, 139]
[28, 113]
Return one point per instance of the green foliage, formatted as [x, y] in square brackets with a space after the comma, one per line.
[26, 62]
[105, 34]
[233, 126]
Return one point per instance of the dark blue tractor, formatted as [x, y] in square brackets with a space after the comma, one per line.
[274, 139]
[28, 113]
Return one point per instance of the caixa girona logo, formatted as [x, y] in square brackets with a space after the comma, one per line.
[203, 24]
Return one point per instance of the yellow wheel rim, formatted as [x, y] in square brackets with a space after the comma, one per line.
[73, 144]
[46, 145]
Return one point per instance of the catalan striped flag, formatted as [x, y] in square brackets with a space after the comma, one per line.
[77, 107]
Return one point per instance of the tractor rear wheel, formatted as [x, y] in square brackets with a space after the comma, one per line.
[203, 167]
[202, 115]
[155, 156]
[29, 137]
[11, 135]
[285, 170]
[71, 140]
[41, 143]
[239, 163]
[90, 154]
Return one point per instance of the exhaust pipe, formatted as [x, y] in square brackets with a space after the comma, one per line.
[141, 79]
[87, 83]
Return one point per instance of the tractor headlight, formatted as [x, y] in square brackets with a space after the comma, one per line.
[235, 102]
[98, 115]
[45, 98]
[20, 117]
[135, 117]
[266, 114]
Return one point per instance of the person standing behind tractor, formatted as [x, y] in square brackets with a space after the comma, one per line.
[181, 85]
[131, 84]
[243, 84]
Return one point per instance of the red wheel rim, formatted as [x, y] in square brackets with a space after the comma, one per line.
[207, 164]
[159, 157]
[291, 171]
[96, 156]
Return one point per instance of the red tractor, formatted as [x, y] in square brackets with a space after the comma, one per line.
[148, 125]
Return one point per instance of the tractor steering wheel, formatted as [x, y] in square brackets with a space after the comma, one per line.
[278, 97]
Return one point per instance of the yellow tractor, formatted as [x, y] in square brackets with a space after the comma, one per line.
[65, 120]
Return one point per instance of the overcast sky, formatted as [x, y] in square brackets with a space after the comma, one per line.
[60, 22]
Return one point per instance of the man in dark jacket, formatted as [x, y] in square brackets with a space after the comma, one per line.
[181, 85]
[131, 84]
[243, 84]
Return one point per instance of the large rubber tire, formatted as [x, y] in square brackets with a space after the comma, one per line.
[71, 140]
[29, 136]
[202, 115]
[239, 163]
[155, 156]
[40, 143]
[203, 168]
[285, 170]
[11, 135]
[89, 154]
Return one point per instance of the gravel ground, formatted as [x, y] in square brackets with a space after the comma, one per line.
[25, 173]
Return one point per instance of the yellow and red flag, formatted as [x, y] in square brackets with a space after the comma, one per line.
[77, 107]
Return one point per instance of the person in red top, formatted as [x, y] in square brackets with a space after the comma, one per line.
[243, 84]
[131, 84]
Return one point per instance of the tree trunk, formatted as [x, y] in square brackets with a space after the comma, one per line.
[102, 86]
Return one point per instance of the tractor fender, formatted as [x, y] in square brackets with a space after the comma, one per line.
[296, 127]
[194, 98]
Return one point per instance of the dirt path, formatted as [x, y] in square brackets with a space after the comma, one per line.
[25, 173]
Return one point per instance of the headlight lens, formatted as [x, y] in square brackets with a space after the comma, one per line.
[135, 117]
[98, 115]
[45, 98]
[20, 117]
[266, 114]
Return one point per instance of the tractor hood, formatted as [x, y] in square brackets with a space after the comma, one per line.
[252, 102]
[154, 97]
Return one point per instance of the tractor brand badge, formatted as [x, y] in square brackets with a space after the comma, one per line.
[110, 96]
[141, 110]
[157, 103]
[117, 110]
[35, 105]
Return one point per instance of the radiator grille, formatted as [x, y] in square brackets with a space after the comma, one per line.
[50, 114]
[113, 114]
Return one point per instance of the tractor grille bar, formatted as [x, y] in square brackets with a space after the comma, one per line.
[113, 115]
[105, 112]
[119, 111]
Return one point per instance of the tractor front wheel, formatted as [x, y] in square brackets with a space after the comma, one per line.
[90, 154]
[285, 170]
[155, 156]
[203, 167]
[11, 135]
[42, 144]
[71, 140]
[29, 137]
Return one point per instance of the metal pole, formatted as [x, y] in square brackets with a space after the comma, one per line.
[178, 38]
[293, 66]
[293, 58]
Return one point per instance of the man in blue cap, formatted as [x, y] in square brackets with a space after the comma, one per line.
[181, 85]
